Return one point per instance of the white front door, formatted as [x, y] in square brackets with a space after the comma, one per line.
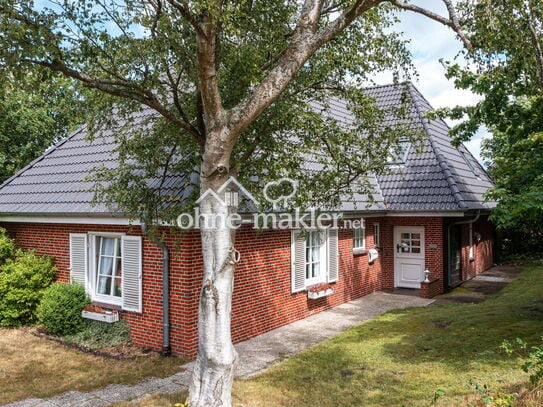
[408, 256]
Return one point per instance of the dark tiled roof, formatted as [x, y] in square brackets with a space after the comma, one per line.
[437, 178]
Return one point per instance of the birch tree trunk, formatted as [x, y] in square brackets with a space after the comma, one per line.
[215, 364]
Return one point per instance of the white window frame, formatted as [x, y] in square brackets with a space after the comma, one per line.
[376, 235]
[398, 154]
[92, 271]
[469, 164]
[359, 239]
[323, 258]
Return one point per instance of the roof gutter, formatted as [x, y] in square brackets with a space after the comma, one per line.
[449, 229]
[166, 347]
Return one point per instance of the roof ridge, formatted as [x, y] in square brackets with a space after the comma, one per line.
[389, 85]
[42, 156]
[449, 177]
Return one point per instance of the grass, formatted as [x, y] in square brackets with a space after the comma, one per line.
[37, 367]
[408, 357]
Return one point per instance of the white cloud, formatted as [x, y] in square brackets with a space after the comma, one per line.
[430, 42]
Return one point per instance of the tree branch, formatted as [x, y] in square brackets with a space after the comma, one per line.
[124, 89]
[207, 45]
[184, 10]
[537, 45]
[304, 44]
[309, 17]
[451, 22]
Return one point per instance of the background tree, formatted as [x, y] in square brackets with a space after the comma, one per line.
[216, 88]
[35, 111]
[506, 69]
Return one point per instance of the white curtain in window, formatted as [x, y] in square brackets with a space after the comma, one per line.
[107, 253]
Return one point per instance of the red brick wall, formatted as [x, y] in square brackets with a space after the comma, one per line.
[262, 290]
[483, 250]
[431, 289]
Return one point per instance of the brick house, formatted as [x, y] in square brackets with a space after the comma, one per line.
[428, 213]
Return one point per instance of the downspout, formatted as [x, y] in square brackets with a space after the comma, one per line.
[449, 228]
[166, 347]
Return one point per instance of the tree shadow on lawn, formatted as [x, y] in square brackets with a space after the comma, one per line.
[404, 356]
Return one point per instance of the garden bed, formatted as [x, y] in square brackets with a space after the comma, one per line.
[119, 352]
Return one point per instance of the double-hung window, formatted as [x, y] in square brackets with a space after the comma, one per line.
[359, 238]
[315, 257]
[108, 268]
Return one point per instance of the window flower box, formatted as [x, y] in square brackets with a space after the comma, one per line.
[319, 291]
[100, 314]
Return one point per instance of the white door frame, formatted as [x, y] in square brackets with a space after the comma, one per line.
[414, 258]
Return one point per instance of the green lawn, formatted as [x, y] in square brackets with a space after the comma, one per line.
[403, 357]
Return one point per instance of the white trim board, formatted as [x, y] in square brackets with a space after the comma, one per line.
[427, 214]
[92, 220]
[66, 219]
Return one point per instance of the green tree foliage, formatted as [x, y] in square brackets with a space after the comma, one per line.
[60, 308]
[506, 69]
[7, 246]
[36, 110]
[22, 282]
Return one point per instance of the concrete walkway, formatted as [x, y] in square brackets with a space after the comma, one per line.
[255, 355]
[478, 288]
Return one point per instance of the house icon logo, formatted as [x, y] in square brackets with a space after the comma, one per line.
[232, 189]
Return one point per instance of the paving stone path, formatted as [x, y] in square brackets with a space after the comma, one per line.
[256, 355]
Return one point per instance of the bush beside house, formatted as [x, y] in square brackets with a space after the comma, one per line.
[7, 246]
[60, 309]
[23, 278]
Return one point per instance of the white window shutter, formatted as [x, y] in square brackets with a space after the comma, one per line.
[78, 259]
[298, 261]
[333, 246]
[131, 265]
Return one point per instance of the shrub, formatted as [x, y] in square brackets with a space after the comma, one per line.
[22, 281]
[7, 246]
[60, 309]
[99, 335]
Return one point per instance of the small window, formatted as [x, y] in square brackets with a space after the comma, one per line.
[359, 238]
[410, 243]
[469, 163]
[376, 235]
[315, 257]
[398, 154]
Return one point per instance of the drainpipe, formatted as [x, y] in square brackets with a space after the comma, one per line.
[449, 228]
[166, 347]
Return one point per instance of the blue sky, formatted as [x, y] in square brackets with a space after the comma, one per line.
[430, 41]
